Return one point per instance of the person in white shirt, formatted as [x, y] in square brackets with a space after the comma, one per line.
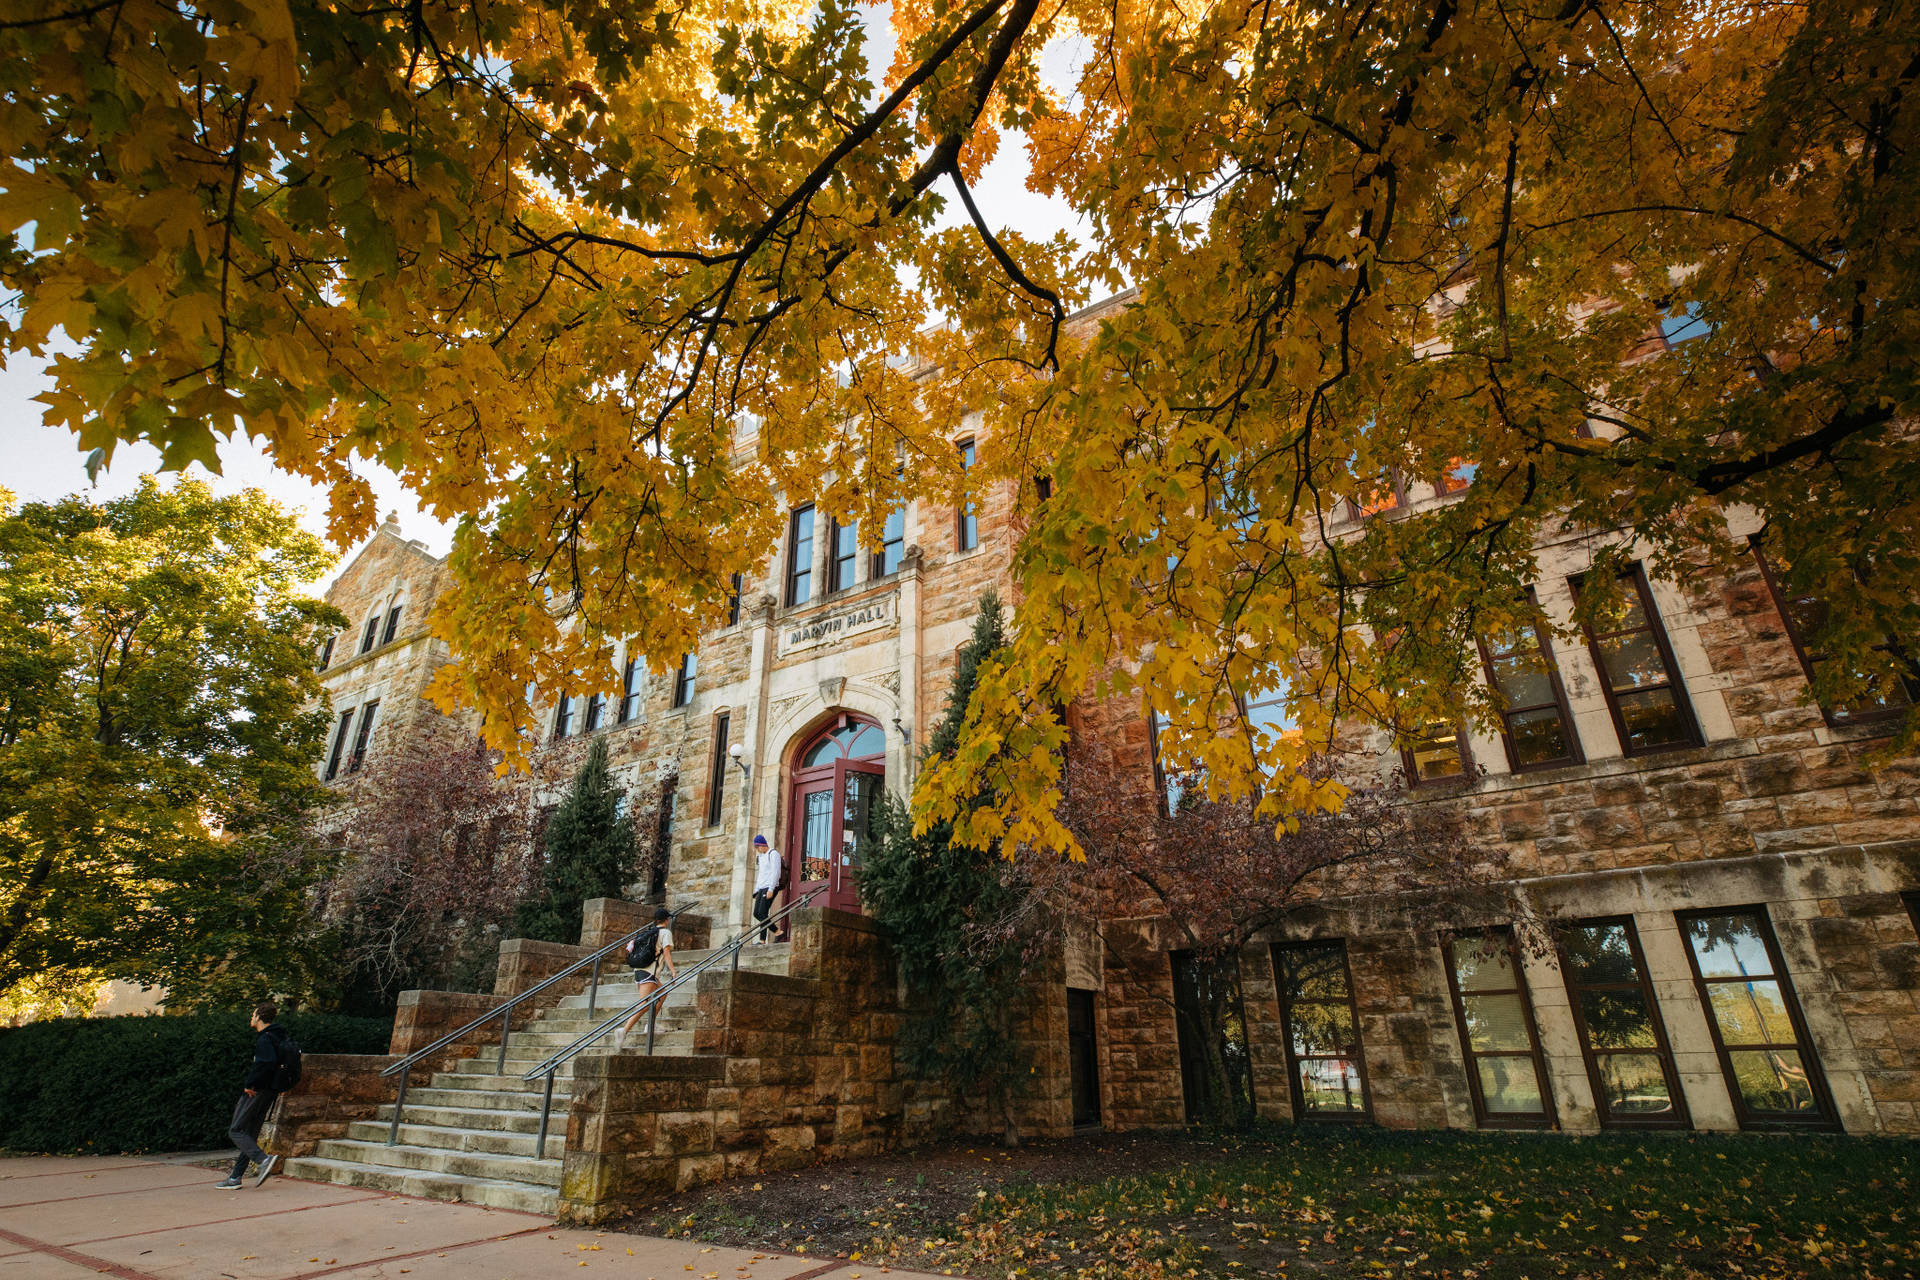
[769, 876]
[650, 951]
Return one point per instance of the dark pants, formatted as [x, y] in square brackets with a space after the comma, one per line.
[762, 904]
[248, 1115]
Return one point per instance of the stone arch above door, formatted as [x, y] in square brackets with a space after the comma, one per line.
[794, 716]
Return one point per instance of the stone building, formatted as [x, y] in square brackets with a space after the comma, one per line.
[1734, 882]
[376, 672]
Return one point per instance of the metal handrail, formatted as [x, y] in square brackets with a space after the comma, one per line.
[551, 1065]
[504, 1014]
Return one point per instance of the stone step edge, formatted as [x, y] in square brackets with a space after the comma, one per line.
[439, 1130]
[297, 1167]
[543, 1164]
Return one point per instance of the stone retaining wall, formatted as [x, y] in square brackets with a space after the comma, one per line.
[787, 1069]
[335, 1089]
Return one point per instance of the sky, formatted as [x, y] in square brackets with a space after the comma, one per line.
[43, 463]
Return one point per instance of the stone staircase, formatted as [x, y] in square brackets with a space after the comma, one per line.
[469, 1134]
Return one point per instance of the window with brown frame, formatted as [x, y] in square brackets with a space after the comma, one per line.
[683, 679]
[1765, 1052]
[1638, 674]
[563, 716]
[1325, 1070]
[393, 626]
[1622, 1036]
[633, 689]
[800, 556]
[717, 770]
[893, 545]
[363, 735]
[663, 838]
[1388, 493]
[1457, 478]
[1803, 617]
[843, 552]
[326, 653]
[1167, 784]
[1505, 1069]
[733, 602]
[1439, 752]
[340, 743]
[1210, 1025]
[1535, 724]
[596, 711]
[967, 519]
[372, 634]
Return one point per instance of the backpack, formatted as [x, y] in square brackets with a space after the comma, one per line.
[286, 1074]
[645, 947]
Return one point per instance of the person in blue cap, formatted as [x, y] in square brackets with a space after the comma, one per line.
[769, 879]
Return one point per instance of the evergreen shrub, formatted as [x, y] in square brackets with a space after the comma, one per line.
[589, 853]
[162, 1082]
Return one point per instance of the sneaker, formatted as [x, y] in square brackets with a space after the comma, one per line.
[268, 1168]
[230, 1184]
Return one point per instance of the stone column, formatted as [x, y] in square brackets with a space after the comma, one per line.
[756, 808]
[909, 654]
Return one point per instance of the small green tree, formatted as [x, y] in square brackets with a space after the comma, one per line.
[947, 907]
[589, 848]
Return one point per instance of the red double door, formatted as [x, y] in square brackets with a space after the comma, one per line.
[831, 825]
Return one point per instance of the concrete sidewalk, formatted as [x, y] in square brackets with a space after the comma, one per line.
[64, 1218]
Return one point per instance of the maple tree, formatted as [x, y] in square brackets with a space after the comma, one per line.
[547, 262]
[160, 720]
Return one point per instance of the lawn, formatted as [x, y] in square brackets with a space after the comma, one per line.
[1362, 1203]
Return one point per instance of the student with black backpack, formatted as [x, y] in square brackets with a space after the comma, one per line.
[650, 950]
[274, 1070]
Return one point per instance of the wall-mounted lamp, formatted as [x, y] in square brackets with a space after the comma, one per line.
[906, 735]
[734, 753]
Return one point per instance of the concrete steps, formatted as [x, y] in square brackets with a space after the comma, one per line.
[495, 1193]
[498, 1142]
[469, 1134]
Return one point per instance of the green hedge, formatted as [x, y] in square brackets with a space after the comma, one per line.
[157, 1083]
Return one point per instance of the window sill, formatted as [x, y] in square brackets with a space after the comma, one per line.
[839, 599]
[1612, 766]
[1878, 724]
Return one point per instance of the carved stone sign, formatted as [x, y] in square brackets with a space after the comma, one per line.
[875, 613]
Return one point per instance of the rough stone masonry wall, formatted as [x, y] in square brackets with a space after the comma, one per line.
[787, 1069]
[1785, 781]
[335, 1089]
[1789, 812]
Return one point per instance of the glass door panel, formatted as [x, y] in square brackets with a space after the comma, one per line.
[815, 851]
[858, 785]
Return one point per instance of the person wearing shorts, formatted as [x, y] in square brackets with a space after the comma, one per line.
[648, 977]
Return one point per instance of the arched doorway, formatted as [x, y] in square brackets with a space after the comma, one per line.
[837, 776]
